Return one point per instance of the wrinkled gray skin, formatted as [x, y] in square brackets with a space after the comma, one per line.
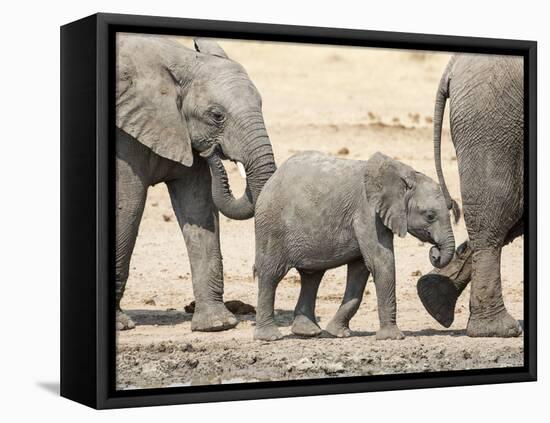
[318, 212]
[179, 112]
[486, 117]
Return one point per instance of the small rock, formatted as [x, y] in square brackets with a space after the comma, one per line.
[192, 362]
[239, 308]
[343, 151]
[466, 354]
[332, 368]
[149, 301]
[167, 217]
[190, 308]
[416, 273]
[186, 347]
[302, 365]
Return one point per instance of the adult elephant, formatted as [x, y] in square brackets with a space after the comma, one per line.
[179, 112]
[486, 119]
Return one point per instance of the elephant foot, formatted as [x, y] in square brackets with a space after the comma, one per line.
[438, 294]
[212, 318]
[502, 326]
[267, 333]
[389, 332]
[123, 322]
[338, 330]
[303, 326]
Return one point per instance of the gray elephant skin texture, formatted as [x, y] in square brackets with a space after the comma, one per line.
[486, 118]
[179, 112]
[318, 212]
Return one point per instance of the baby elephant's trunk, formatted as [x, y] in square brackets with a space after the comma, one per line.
[442, 253]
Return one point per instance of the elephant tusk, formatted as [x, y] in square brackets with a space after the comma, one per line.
[241, 170]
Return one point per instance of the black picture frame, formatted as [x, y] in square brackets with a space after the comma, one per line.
[87, 212]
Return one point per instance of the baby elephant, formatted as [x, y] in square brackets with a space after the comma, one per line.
[318, 212]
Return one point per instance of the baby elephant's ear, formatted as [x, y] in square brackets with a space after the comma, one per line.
[387, 184]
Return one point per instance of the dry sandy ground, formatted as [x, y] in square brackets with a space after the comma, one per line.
[315, 98]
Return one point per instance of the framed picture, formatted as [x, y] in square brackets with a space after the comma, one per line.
[382, 236]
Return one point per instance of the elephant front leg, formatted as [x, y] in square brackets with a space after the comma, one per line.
[384, 281]
[199, 224]
[488, 314]
[305, 323]
[131, 193]
[355, 286]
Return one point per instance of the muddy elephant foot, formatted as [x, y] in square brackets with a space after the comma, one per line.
[502, 326]
[212, 318]
[338, 330]
[267, 333]
[303, 326]
[389, 332]
[438, 294]
[123, 322]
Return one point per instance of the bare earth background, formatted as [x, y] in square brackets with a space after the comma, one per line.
[332, 100]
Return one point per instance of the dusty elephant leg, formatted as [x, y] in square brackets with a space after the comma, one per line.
[131, 192]
[439, 290]
[358, 275]
[384, 281]
[198, 220]
[267, 281]
[488, 314]
[305, 323]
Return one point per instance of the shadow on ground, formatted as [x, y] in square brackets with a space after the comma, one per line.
[51, 387]
[158, 317]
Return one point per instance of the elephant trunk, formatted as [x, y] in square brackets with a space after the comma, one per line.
[442, 253]
[259, 166]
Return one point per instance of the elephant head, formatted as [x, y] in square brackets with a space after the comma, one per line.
[408, 201]
[175, 101]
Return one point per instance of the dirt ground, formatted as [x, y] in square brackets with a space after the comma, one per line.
[327, 99]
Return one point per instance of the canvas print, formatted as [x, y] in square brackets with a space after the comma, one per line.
[297, 211]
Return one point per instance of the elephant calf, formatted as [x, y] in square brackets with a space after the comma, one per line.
[318, 212]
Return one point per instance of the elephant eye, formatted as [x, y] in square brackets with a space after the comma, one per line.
[430, 215]
[217, 116]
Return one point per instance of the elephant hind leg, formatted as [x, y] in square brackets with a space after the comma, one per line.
[267, 278]
[305, 323]
[358, 275]
[488, 232]
[488, 314]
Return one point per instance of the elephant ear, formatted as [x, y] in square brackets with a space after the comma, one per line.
[148, 99]
[388, 184]
[206, 46]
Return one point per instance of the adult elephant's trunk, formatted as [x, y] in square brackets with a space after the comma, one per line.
[442, 253]
[259, 165]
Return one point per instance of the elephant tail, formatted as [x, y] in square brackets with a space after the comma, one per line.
[440, 100]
